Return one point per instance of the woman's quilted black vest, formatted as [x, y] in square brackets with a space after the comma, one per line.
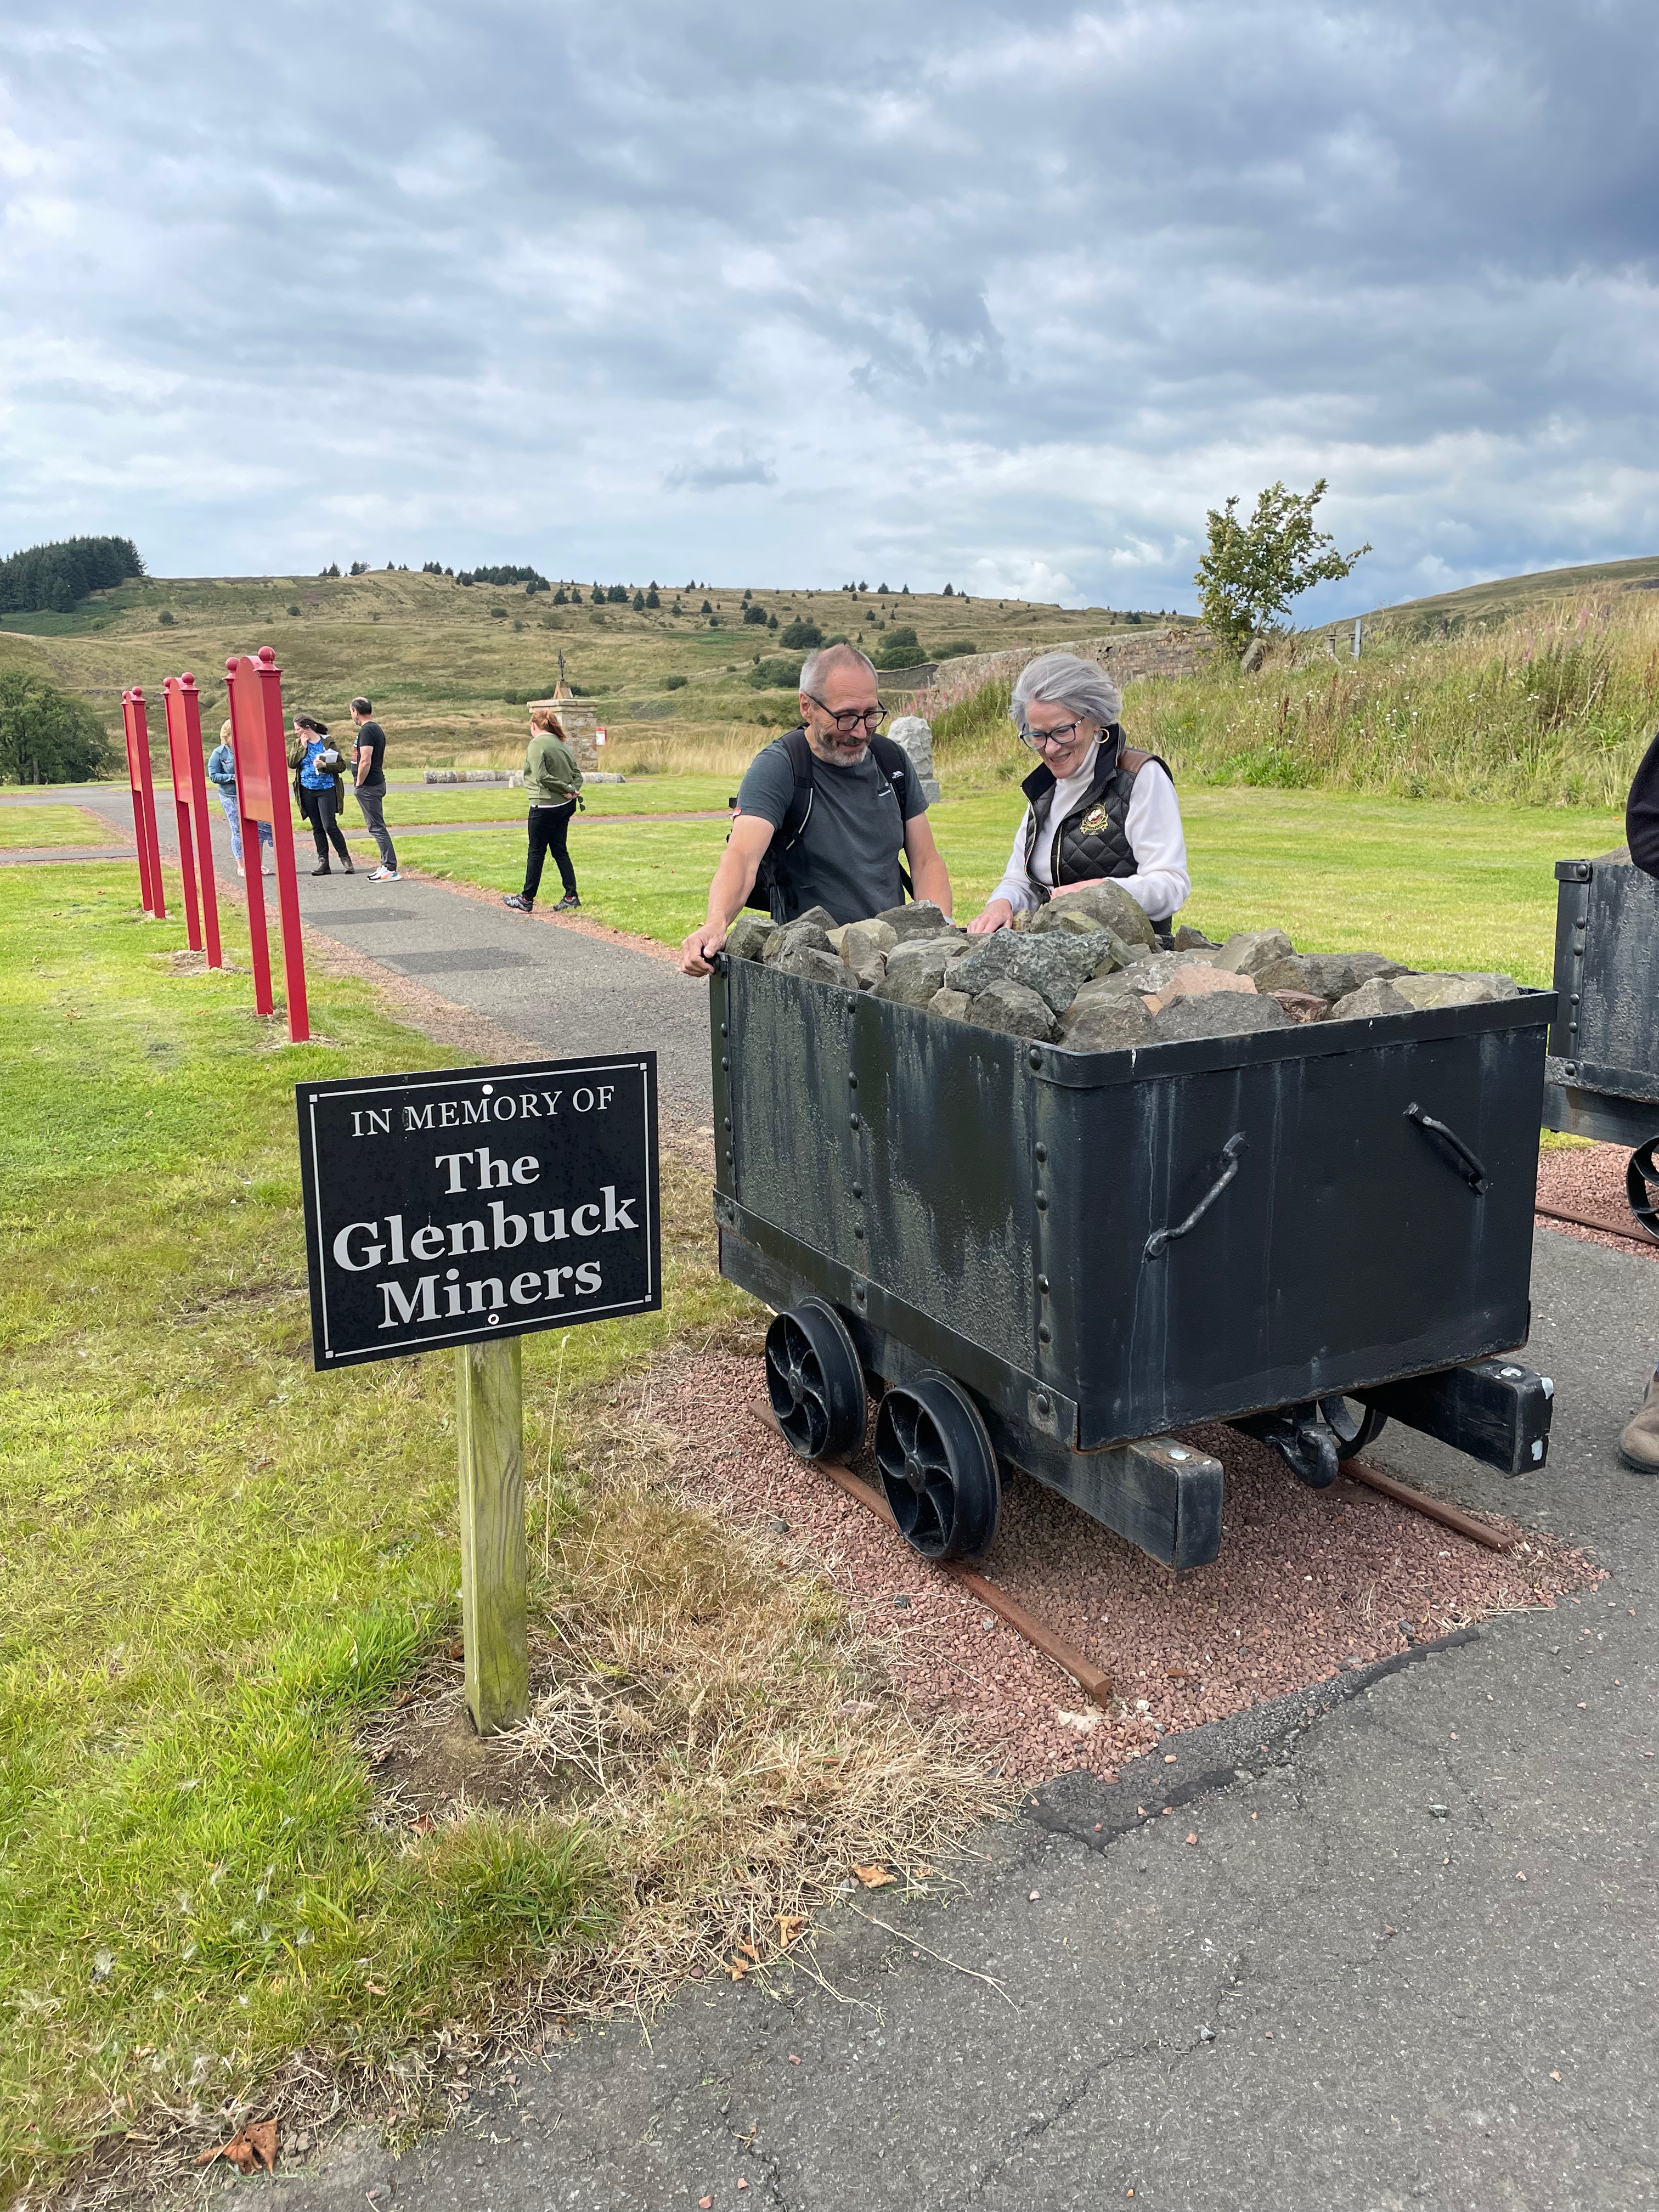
[1094, 839]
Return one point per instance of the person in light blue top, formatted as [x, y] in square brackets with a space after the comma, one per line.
[315, 760]
[221, 775]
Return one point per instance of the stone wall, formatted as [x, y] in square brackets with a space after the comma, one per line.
[579, 724]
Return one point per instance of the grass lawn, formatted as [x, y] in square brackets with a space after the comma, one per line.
[649, 794]
[217, 1566]
[1436, 885]
[22, 827]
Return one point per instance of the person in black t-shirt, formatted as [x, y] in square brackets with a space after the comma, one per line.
[846, 853]
[368, 769]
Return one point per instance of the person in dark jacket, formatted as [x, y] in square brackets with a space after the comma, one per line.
[553, 781]
[316, 761]
[1095, 807]
[1638, 1445]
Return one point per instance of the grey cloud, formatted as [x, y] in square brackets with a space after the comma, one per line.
[717, 475]
[1017, 294]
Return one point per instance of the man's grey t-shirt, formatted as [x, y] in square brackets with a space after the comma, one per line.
[847, 858]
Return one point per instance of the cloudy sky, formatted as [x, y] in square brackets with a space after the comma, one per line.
[920, 291]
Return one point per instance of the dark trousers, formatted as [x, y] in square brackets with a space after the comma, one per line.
[549, 827]
[371, 799]
[322, 810]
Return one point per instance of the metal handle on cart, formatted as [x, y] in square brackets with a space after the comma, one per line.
[1231, 1152]
[1473, 1174]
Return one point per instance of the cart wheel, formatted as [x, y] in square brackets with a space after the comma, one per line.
[1352, 1424]
[814, 1381]
[938, 1468]
[1302, 1437]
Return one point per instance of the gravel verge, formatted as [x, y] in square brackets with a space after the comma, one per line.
[1590, 1179]
[1310, 1585]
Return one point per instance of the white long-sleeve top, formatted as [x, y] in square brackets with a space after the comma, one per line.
[1160, 883]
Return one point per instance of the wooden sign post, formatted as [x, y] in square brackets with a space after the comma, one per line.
[258, 741]
[464, 1209]
[494, 1631]
[134, 717]
[183, 713]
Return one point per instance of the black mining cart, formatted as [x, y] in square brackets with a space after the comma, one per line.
[1055, 1259]
[1602, 1076]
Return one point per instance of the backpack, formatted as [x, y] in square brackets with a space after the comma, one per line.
[890, 757]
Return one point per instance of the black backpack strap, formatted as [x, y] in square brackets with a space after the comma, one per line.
[800, 806]
[894, 762]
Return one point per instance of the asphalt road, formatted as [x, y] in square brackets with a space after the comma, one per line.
[1410, 1960]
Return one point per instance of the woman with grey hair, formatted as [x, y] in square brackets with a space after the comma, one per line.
[1095, 808]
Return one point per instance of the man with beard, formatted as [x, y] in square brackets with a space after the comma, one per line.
[829, 810]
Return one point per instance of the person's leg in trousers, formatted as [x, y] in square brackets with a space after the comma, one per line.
[227, 800]
[558, 834]
[328, 815]
[311, 807]
[539, 828]
[373, 803]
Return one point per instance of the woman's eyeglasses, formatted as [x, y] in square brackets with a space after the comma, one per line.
[1037, 739]
[869, 718]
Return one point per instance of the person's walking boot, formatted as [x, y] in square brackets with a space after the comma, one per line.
[567, 905]
[1638, 1445]
[323, 871]
[518, 901]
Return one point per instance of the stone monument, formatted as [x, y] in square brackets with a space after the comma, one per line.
[917, 739]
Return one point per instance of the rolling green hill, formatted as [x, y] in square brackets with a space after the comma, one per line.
[1506, 596]
[448, 666]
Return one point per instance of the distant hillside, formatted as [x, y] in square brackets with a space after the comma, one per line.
[449, 665]
[1506, 596]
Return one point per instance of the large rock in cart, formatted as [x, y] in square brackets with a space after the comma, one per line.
[1056, 1259]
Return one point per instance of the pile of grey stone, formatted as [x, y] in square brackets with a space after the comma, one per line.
[1087, 972]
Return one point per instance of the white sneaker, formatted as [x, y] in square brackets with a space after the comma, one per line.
[388, 876]
[377, 875]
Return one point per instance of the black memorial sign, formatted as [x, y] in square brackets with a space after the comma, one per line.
[466, 1204]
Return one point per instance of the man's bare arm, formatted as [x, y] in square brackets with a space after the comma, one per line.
[734, 879]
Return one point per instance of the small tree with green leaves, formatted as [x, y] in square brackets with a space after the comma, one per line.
[1254, 569]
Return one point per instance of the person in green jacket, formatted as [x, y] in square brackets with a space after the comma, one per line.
[553, 780]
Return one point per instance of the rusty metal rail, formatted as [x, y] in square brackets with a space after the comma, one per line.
[1607, 1226]
[1450, 1516]
[1095, 1683]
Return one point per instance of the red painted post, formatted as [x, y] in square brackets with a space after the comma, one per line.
[183, 709]
[258, 735]
[136, 719]
[248, 744]
[139, 837]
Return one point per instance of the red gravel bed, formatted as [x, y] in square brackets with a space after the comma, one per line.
[1590, 1179]
[1308, 1583]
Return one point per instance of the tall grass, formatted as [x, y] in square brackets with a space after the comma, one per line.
[1554, 709]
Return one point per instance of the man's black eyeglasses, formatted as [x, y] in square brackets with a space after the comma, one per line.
[872, 718]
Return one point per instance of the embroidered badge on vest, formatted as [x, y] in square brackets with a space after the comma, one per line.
[1094, 819]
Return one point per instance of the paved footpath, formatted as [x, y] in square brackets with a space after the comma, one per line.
[1410, 1961]
[553, 985]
